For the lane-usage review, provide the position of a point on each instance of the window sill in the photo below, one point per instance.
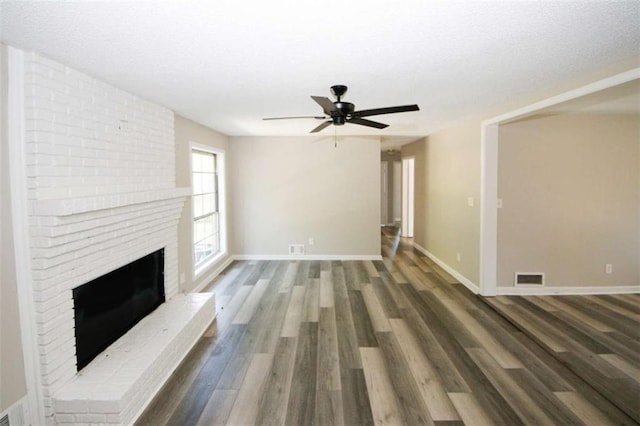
(200, 270)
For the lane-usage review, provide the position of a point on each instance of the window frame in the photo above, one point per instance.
(221, 205)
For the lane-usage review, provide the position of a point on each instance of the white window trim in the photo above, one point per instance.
(222, 207)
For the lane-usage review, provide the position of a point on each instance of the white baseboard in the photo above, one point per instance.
(455, 274)
(560, 291)
(306, 257)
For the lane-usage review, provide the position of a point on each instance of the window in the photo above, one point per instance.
(207, 241)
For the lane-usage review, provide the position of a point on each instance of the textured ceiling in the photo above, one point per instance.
(228, 63)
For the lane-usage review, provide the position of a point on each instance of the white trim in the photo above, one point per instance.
(20, 219)
(306, 257)
(217, 271)
(455, 274)
(489, 171)
(558, 291)
(606, 83)
(489, 210)
(222, 206)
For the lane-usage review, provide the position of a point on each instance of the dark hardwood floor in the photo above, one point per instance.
(396, 341)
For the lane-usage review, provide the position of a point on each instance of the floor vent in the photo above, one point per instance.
(530, 278)
(15, 415)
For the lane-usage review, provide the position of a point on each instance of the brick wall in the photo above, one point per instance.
(101, 191)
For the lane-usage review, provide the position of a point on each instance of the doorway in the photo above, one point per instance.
(408, 183)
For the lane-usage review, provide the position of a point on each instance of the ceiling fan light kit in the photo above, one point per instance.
(339, 113)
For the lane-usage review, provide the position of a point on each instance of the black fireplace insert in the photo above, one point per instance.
(109, 306)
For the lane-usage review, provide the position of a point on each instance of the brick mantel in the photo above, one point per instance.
(67, 207)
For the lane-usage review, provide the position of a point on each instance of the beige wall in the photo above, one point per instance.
(188, 132)
(285, 190)
(448, 174)
(12, 375)
(570, 190)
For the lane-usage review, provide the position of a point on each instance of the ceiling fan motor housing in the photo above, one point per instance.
(343, 111)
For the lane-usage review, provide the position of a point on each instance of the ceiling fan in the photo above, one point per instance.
(338, 113)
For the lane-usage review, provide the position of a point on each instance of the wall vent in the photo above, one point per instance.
(529, 279)
(296, 249)
(16, 414)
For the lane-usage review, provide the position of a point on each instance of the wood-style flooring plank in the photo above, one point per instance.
(384, 289)
(217, 410)
(505, 358)
(582, 388)
(604, 303)
(289, 277)
(508, 337)
(585, 411)
(448, 374)
(245, 410)
(190, 407)
(328, 375)
(292, 318)
(473, 378)
(528, 410)
(311, 303)
(269, 339)
(326, 290)
(356, 402)
(251, 302)
(431, 389)
(631, 370)
(329, 408)
(272, 405)
(537, 329)
(347, 337)
(470, 410)
(414, 409)
(544, 397)
(377, 315)
(163, 406)
(301, 407)
(365, 332)
(384, 404)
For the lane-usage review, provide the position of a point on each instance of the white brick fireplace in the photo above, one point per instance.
(100, 190)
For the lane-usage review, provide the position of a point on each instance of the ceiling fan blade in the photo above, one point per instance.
(327, 106)
(387, 110)
(368, 123)
(321, 126)
(299, 116)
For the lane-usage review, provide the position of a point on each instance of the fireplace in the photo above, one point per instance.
(108, 306)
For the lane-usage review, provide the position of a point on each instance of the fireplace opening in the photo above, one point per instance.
(109, 306)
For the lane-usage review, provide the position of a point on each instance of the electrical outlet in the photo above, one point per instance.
(608, 268)
(458, 257)
(499, 204)
(470, 201)
(312, 241)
